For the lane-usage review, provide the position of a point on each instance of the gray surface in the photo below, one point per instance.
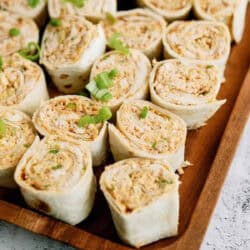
(229, 227)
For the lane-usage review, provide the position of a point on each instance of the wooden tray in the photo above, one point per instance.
(210, 149)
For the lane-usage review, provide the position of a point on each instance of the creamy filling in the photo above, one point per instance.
(61, 116)
(198, 40)
(156, 133)
(55, 164)
(168, 5)
(138, 30)
(135, 183)
(10, 44)
(18, 78)
(125, 81)
(183, 84)
(90, 8)
(18, 136)
(67, 42)
(222, 10)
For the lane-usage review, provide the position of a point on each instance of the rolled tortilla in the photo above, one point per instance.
(232, 13)
(143, 198)
(61, 115)
(27, 28)
(22, 84)
(202, 42)
(160, 135)
(169, 9)
(56, 177)
(69, 50)
(188, 90)
(24, 9)
(139, 29)
(17, 133)
(131, 81)
(94, 10)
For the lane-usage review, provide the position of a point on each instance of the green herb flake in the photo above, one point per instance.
(110, 17)
(54, 151)
(58, 166)
(144, 112)
(71, 105)
(209, 66)
(115, 43)
(164, 182)
(26, 145)
(3, 128)
(14, 32)
(1, 63)
(76, 3)
(103, 115)
(32, 52)
(154, 145)
(55, 22)
(33, 3)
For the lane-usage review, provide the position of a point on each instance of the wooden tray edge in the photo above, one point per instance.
(193, 236)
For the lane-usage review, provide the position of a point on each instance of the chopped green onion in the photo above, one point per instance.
(14, 32)
(106, 97)
(55, 22)
(110, 17)
(54, 151)
(58, 166)
(32, 52)
(209, 66)
(164, 182)
(144, 112)
(1, 63)
(103, 115)
(71, 105)
(76, 3)
(26, 145)
(154, 145)
(114, 42)
(3, 128)
(33, 3)
(113, 73)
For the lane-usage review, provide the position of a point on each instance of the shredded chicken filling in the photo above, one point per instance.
(67, 42)
(157, 133)
(59, 117)
(55, 165)
(182, 84)
(138, 31)
(18, 136)
(135, 183)
(198, 40)
(17, 79)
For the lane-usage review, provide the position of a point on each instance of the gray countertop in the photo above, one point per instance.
(228, 229)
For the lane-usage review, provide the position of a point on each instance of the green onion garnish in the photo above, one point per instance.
(54, 151)
(3, 128)
(209, 66)
(144, 112)
(58, 166)
(98, 87)
(76, 3)
(26, 145)
(1, 63)
(164, 182)
(115, 43)
(32, 52)
(33, 3)
(110, 17)
(14, 32)
(55, 22)
(104, 114)
(154, 144)
(71, 105)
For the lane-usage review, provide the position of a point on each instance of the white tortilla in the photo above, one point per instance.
(143, 198)
(179, 87)
(69, 67)
(59, 184)
(161, 135)
(22, 84)
(18, 136)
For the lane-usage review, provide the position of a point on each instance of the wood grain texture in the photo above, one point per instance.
(210, 149)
